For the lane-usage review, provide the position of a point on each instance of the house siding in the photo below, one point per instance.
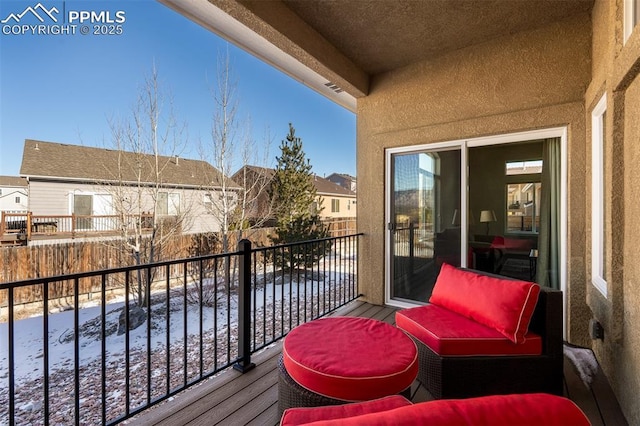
(347, 207)
(8, 199)
(49, 198)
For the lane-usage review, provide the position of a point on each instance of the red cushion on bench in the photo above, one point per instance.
(351, 359)
(503, 304)
(298, 416)
(518, 409)
(451, 334)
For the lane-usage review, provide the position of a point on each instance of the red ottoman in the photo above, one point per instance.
(344, 359)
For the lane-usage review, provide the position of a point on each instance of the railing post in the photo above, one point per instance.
(29, 223)
(244, 308)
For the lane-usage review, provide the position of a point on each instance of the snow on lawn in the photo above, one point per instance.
(278, 305)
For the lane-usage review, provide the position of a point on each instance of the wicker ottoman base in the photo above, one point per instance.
(291, 394)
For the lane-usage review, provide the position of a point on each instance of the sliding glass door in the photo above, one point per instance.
(424, 219)
(495, 204)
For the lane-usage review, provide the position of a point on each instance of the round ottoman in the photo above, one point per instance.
(344, 359)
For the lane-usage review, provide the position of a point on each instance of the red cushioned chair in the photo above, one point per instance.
(517, 409)
(471, 363)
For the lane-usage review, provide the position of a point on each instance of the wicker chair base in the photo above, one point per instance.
(465, 377)
(291, 394)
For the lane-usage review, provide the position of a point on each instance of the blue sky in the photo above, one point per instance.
(64, 88)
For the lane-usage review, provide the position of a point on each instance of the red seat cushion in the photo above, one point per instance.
(503, 304)
(351, 359)
(518, 409)
(298, 416)
(451, 334)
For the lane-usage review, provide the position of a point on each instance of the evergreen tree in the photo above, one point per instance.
(296, 206)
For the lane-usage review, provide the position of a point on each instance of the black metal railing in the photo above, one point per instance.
(147, 332)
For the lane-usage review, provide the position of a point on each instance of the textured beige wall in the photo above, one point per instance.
(521, 82)
(615, 71)
(627, 355)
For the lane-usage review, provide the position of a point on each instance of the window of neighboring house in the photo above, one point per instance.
(598, 188)
(631, 16)
(17, 200)
(523, 196)
(208, 202)
(232, 199)
(168, 203)
(335, 205)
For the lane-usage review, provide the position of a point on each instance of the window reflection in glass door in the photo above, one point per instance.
(425, 232)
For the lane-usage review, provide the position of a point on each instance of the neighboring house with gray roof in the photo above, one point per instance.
(14, 194)
(336, 201)
(70, 179)
(344, 180)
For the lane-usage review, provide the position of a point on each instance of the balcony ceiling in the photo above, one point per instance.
(379, 36)
(346, 42)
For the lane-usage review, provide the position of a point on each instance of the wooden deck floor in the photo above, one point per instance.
(251, 399)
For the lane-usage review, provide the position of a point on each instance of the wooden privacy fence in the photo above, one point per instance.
(339, 227)
(26, 262)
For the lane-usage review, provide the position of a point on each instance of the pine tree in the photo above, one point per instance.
(296, 206)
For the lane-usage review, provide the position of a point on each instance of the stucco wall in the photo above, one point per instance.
(521, 82)
(615, 72)
(627, 375)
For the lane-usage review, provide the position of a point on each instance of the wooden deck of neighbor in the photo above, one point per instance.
(252, 398)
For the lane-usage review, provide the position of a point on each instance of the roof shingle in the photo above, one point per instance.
(16, 181)
(63, 161)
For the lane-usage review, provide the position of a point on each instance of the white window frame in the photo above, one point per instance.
(630, 12)
(597, 195)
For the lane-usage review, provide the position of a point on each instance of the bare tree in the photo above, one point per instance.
(148, 208)
(231, 145)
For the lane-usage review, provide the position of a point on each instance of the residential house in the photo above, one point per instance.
(334, 200)
(447, 95)
(257, 205)
(14, 194)
(344, 180)
(87, 181)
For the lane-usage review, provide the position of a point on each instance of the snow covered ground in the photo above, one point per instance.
(277, 305)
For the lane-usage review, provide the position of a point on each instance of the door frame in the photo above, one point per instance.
(464, 145)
